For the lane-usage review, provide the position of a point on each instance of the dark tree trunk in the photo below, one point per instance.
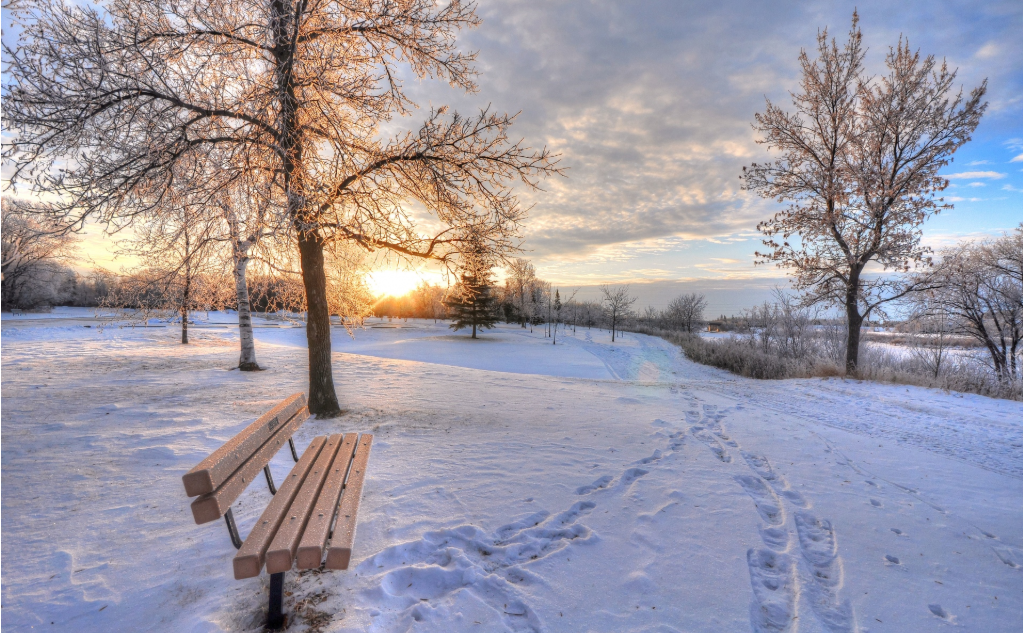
(184, 325)
(322, 396)
(855, 321)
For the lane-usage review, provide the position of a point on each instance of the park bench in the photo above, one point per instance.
(298, 525)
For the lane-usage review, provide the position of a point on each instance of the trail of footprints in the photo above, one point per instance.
(491, 566)
(777, 578)
(428, 572)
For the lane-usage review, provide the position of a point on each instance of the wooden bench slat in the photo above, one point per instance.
(223, 462)
(249, 559)
(212, 506)
(281, 554)
(340, 552)
(314, 538)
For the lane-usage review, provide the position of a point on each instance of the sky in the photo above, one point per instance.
(649, 105)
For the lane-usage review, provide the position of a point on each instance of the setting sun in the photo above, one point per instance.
(393, 282)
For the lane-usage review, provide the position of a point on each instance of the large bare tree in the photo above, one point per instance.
(859, 168)
(102, 103)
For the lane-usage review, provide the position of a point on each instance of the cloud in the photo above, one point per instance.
(988, 51)
(649, 104)
(977, 184)
(971, 175)
(1017, 159)
(1011, 188)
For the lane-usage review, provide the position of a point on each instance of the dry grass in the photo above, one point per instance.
(737, 355)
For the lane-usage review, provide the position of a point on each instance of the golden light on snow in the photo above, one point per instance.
(393, 282)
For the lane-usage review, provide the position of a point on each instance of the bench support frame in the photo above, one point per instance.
(275, 618)
(269, 479)
(232, 529)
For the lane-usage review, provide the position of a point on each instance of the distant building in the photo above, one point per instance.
(714, 326)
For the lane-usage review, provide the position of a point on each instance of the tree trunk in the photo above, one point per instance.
(186, 295)
(322, 397)
(247, 357)
(613, 329)
(852, 343)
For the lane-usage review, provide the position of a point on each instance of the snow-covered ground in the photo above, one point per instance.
(513, 485)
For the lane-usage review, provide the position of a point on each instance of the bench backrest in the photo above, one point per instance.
(220, 478)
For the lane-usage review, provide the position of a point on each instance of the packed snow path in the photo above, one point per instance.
(516, 486)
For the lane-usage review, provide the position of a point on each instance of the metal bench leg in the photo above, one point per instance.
(269, 479)
(275, 618)
(232, 529)
(294, 453)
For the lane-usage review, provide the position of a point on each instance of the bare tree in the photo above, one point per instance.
(295, 91)
(180, 270)
(617, 304)
(980, 286)
(685, 312)
(859, 167)
(521, 276)
(932, 324)
(33, 246)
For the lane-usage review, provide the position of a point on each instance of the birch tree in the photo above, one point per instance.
(859, 168)
(296, 91)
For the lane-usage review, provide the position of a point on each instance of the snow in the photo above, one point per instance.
(513, 485)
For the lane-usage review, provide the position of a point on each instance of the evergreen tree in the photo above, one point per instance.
(473, 303)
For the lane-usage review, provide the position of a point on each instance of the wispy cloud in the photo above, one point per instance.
(973, 175)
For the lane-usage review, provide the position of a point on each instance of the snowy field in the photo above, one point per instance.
(513, 486)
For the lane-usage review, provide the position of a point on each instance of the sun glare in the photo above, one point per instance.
(393, 282)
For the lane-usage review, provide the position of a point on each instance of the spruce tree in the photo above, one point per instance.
(473, 303)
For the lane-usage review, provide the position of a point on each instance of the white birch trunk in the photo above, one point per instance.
(240, 248)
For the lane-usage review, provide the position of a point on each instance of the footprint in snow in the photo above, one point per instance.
(632, 475)
(767, 503)
(937, 610)
(876, 503)
(772, 578)
(653, 458)
(599, 484)
(1008, 556)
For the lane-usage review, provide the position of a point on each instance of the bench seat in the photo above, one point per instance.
(311, 518)
(297, 522)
